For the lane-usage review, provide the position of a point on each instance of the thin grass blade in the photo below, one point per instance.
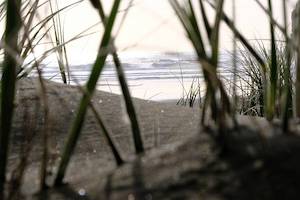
(90, 87)
(205, 19)
(287, 96)
(137, 138)
(215, 32)
(271, 91)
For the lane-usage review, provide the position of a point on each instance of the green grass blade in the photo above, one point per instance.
(287, 96)
(183, 16)
(8, 82)
(242, 39)
(297, 84)
(208, 73)
(35, 30)
(271, 98)
(90, 87)
(249, 47)
(215, 32)
(31, 13)
(188, 20)
(137, 138)
(272, 19)
(194, 23)
(58, 40)
(234, 64)
(205, 19)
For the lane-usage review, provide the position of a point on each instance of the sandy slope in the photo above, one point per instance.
(180, 163)
(161, 124)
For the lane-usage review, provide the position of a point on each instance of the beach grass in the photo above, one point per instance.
(219, 106)
(266, 71)
(62, 57)
(270, 92)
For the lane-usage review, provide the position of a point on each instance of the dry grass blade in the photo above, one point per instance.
(36, 31)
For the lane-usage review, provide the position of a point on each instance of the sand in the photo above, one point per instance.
(181, 160)
(161, 124)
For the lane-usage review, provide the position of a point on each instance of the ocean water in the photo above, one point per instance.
(161, 76)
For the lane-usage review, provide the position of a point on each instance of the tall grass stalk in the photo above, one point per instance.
(216, 95)
(297, 85)
(45, 143)
(62, 58)
(242, 39)
(189, 97)
(39, 32)
(29, 66)
(248, 46)
(234, 63)
(8, 82)
(74, 133)
(27, 24)
(270, 14)
(137, 138)
(287, 96)
(44, 98)
(272, 88)
(251, 76)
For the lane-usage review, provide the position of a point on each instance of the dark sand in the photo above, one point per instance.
(181, 162)
(161, 124)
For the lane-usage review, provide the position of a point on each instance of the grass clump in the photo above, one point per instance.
(266, 71)
(191, 96)
(216, 97)
(252, 85)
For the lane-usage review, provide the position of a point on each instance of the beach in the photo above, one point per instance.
(181, 158)
(161, 124)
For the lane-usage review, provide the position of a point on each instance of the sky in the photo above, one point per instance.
(151, 26)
